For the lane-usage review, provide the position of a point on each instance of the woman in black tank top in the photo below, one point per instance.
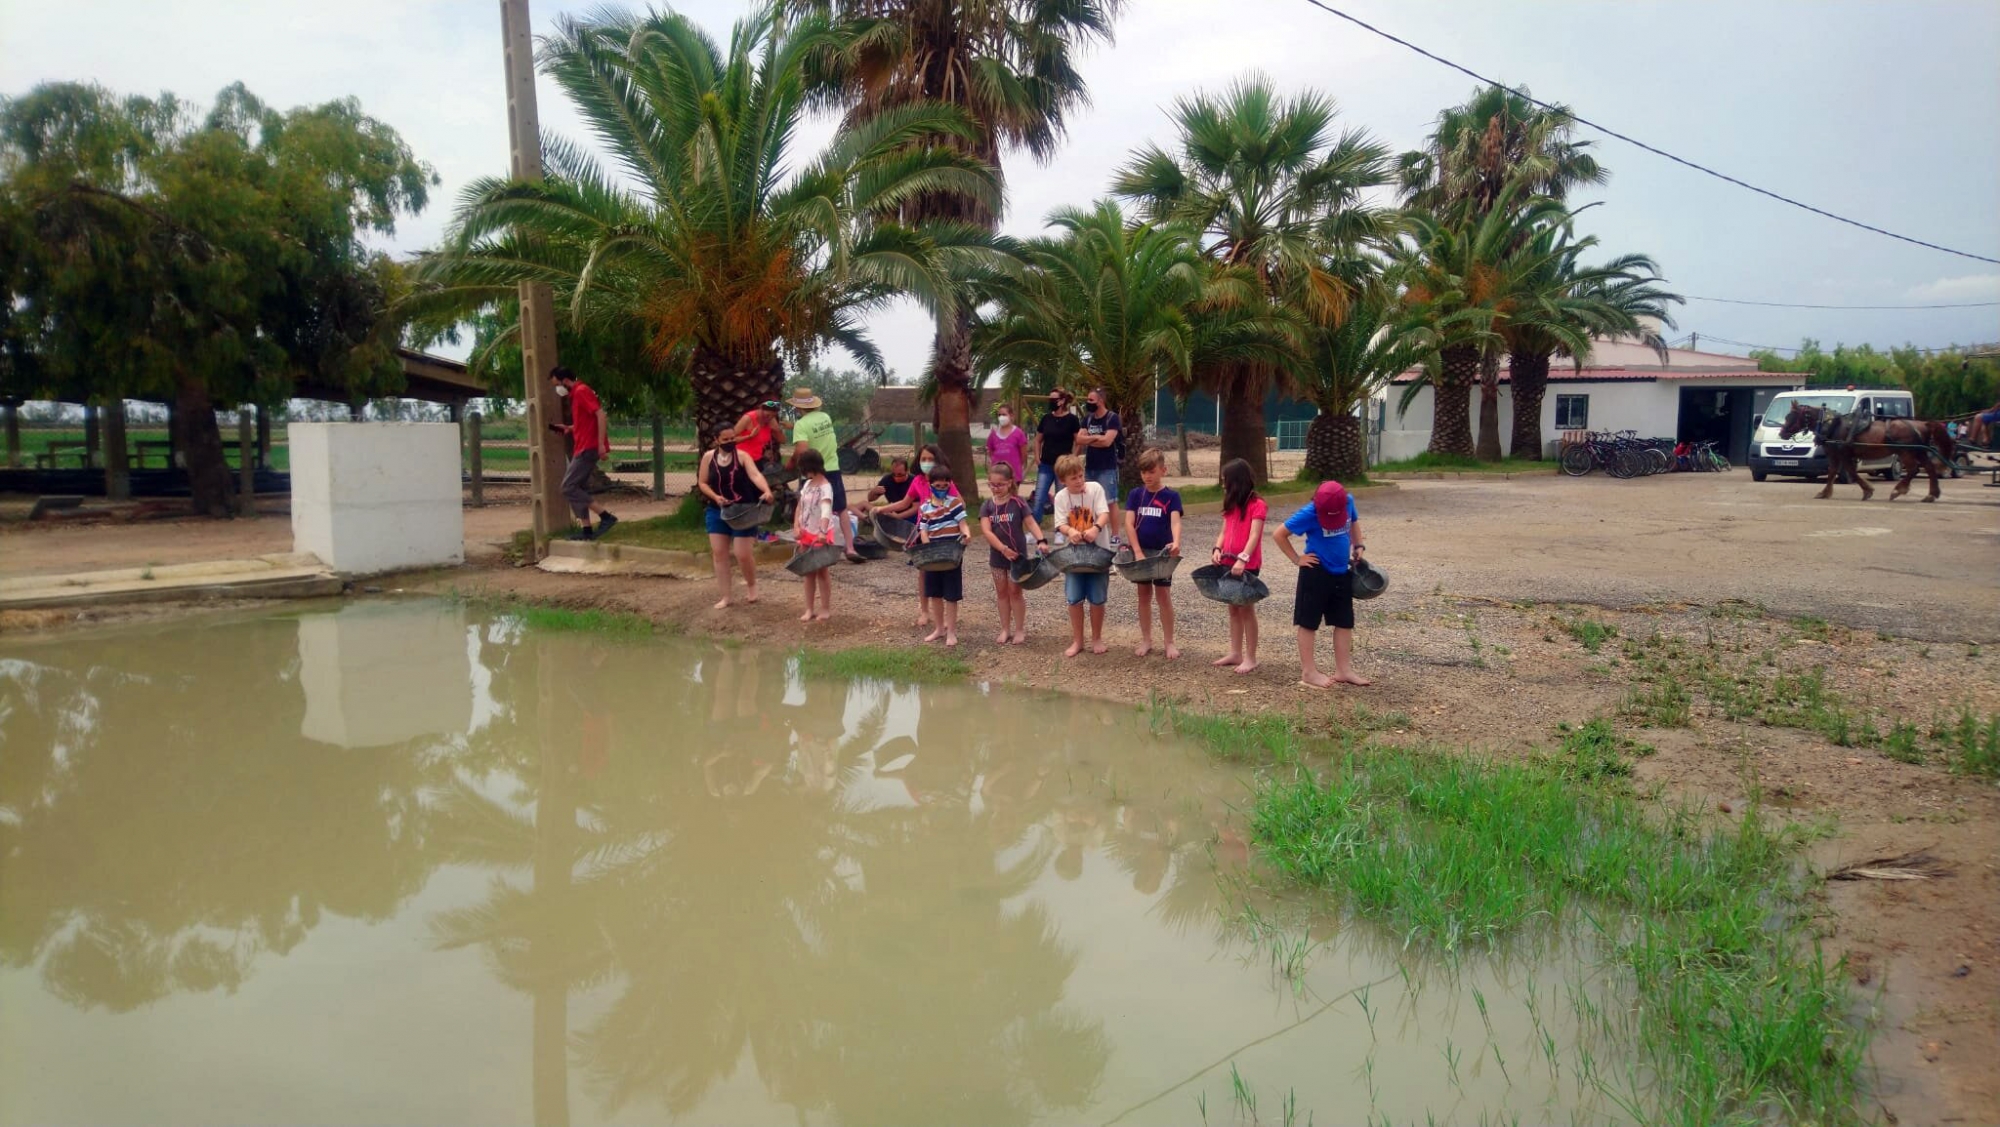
(726, 478)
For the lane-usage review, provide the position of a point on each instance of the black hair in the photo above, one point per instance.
(935, 451)
(1239, 485)
(812, 462)
(561, 373)
(902, 460)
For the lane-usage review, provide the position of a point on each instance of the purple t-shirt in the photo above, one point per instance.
(1153, 513)
(1011, 449)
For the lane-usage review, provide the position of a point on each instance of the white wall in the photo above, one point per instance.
(372, 497)
(374, 675)
(1651, 407)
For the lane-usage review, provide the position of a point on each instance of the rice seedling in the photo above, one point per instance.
(881, 663)
(1589, 633)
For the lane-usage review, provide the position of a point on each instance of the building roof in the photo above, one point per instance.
(1631, 360)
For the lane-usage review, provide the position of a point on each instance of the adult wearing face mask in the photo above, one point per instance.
(589, 431)
(1007, 444)
(1100, 442)
(1055, 436)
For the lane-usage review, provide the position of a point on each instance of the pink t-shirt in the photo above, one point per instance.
(1011, 448)
(1236, 533)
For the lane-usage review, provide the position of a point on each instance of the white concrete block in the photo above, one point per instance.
(377, 674)
(372, 497)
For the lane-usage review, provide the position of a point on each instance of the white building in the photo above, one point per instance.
(1695, 396)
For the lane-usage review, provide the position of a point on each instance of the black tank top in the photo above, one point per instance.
(732, 480)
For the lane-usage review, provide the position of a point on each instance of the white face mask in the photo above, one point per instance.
(1006, 421)
(562, 392)
(927, 467)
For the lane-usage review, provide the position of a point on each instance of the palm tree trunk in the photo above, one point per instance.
(951, 367)
(1530, 377)
(1242, 396)
(1451, 411)
(201, 449)
(1134, 420)
(726, 390)
(1489, 407)
(1180, 439)
(1333, 447)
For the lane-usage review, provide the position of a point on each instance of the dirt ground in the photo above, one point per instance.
(1479, 643)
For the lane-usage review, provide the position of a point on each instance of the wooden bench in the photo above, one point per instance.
(47, 459)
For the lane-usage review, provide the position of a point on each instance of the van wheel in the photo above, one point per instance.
(1885, 475)
(1758, 475)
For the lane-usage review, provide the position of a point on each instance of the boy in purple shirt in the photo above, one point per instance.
(1153, 524)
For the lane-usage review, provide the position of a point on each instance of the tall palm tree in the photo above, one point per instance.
(1348, 363)
(1621, 297)
(1273, 189)
(729, 261)
(1010, 67)
(1117, 305)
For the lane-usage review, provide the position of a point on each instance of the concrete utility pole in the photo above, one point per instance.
(548, 455)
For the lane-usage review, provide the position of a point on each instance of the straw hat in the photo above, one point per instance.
(804, 399)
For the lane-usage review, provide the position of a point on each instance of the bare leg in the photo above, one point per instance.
(747, 563)
(1249, 615)
(1075, 630)
(1097, 628)
(1309, 673)
(1005, 601)
(1343, 659)
(1164, 596)
(1235, 654)
(1020, 598)
(1145, 621)
(949, 614)
(825, 595)
(923, 604)
(718, 553)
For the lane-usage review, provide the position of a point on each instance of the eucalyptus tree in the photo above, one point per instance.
(1272, 188)
(727, 261)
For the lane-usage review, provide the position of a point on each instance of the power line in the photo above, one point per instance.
(1365, 26)
(1802, 305)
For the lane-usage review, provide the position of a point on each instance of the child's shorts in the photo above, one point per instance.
(1324, 596)
(946, 585)
(1087, 587)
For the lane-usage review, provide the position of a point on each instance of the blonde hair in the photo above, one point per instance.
(1068, 465)
(1152, 459)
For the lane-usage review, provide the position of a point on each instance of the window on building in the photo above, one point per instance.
(1572, 412)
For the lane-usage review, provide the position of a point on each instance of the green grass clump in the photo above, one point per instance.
(1973, 748)
(1245, 737)
(1594, 753)
(607, 622)
(1663, 703)
(881, 663)
(1589, 633)
(1734, 1008)
(669, 532)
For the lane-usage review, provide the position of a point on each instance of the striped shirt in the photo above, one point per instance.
(941, 516)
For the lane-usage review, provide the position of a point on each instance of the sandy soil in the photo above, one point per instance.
(1897, 602)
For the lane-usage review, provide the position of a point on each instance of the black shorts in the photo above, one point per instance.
(839, 490)
(1324, 596)
(946, 585)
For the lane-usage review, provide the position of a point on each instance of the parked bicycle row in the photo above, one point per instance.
(1623, 454)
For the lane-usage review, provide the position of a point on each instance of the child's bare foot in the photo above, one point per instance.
(750, 595)
(723, 605)
(1248, 665)
(1097, 647)
(923, 620)
(951, 639)
(807, 616)
(1315, 680)
(1074, 649)
(1020, 638)
(1173, 652)
(934, 635)
(1142, 649)
(823, 616)
(1000, 639)
(1232, 659)
(1352, 679)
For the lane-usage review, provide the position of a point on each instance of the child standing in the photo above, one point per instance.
(1007, 524)
(941, 517)
(813, 522)
(1082, 517)
(1153, 523)
(1241, 546)
(1326, 587)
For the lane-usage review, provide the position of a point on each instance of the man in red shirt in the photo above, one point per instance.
(757, 430)
(589, 431)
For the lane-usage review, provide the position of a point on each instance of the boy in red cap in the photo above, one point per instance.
(1332, 534)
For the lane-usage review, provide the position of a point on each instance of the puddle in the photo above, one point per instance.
(401, 863)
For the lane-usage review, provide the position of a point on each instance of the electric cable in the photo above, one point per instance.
(1804, 305)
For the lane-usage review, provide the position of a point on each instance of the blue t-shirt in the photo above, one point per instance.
(1332, 548)
(1100, 460)
(1153, 514)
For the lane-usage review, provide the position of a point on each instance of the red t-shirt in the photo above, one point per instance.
(583, 408)
(1236, 534)
(751, 443)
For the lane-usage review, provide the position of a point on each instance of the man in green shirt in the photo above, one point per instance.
(814, 431)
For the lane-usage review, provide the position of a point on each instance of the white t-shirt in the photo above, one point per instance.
(1078, 513)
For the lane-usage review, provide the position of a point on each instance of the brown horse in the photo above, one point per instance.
(1849, 441)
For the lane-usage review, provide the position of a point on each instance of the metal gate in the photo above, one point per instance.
(1292, 433)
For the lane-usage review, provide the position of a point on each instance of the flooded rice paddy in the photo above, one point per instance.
(409, 862)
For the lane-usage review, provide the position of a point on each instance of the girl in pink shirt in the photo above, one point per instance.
(1240, 545)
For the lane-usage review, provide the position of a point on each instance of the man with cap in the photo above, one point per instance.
(814, 431)
(589, 432)
(1332, 533)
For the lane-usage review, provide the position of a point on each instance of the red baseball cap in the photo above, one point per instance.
(1330, 505)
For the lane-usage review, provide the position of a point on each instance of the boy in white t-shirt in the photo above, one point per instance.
(1082, 517)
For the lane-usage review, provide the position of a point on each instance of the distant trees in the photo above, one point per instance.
(1954, 381)
(146, 250)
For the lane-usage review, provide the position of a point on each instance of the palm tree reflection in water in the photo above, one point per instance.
(737, 859)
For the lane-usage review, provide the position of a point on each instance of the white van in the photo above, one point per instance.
(1800, 455)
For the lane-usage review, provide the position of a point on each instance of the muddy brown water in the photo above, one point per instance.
(405, 862)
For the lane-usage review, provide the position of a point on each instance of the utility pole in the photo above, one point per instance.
(547, 454)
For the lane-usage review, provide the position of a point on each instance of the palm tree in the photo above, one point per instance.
(1272, 189)
(1349, 362)
(1111, 304)
(1009, 66)
(729, 263)
(1619, 298)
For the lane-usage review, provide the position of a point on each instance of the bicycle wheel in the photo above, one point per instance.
(1577, 460)
(1658, 457)
(1619, 464)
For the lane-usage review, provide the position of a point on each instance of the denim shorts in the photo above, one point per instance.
(1087, 587)
(1108, 481)
(711, 518)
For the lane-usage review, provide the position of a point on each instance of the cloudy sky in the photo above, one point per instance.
(1885, 112)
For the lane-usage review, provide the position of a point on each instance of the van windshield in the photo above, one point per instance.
(1774, 415)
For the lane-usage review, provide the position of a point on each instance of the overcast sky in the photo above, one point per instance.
(1886, 112)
